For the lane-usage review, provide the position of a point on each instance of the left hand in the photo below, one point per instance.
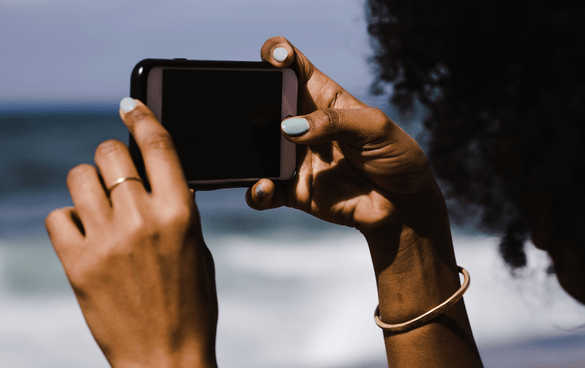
(137, 262)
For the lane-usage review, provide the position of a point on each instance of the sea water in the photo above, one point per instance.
(293, 291)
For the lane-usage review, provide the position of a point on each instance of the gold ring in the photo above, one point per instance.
(120, 181)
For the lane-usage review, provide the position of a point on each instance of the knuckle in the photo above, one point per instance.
(109, 148)
(176, 217)
(136, 227)
(380, 120)
(334, 95)
(330, 119)
(139, 114)
(143, 229)
(378, 114)
(158, 141)
(79, 277)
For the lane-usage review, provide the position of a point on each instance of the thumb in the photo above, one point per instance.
(354, 126)
(316, 90)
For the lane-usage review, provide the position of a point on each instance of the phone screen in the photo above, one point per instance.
(225, 123)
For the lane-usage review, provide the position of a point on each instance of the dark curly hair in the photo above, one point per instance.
(503, 87)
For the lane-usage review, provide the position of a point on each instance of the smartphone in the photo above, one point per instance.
(223, 116)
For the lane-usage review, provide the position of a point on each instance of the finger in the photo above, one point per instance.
(66, 233)
(65, 230)
(360, 127)
(161, 161)
(113, 159)
(88, 196)
(265, 195)
(316, 90)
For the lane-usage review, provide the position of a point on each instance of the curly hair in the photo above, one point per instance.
(504, 89)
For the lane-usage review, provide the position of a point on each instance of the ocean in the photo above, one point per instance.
(270, 264)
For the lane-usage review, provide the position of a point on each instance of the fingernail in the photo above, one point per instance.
(127, 104)
(260, 191)
(295, 126)
(279, 53)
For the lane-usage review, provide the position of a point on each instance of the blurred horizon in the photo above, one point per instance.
(268, 263)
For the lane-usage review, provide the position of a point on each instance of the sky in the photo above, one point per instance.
(71, 51)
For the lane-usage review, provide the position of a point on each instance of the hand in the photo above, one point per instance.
(137, 262)
(354, 164)
(356, 167)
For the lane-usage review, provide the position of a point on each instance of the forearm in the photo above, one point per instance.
(417, 276)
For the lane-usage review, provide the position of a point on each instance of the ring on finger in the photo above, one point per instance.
(120, 181)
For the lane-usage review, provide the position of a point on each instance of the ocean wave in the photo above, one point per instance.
(291, 303)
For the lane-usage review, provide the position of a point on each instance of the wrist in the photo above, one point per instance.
(415, 282)
(416, 271)
(413, 257)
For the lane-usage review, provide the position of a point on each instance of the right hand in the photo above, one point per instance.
(355, 166)
(137, 261)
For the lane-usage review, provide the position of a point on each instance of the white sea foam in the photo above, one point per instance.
(45, 332)
(288, 305)
(504, 309)
(319, 310)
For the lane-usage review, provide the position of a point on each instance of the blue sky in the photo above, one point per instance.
(84, 51)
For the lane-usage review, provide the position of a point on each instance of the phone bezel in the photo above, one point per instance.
(146, 85)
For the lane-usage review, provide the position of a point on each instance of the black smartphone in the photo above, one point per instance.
(223, 116)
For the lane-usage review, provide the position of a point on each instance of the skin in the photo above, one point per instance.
(144, 278)
(357, 168)
(137, 262)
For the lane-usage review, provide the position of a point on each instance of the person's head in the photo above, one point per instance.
(503, 85)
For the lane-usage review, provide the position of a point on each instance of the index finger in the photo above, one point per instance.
(316, 89)
(161, 161)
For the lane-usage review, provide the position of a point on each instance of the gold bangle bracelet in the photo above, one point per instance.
(422, 319)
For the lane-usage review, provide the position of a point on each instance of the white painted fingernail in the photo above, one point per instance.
(127, 104)
(260, 191)
(279, 53)
(295, 126)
